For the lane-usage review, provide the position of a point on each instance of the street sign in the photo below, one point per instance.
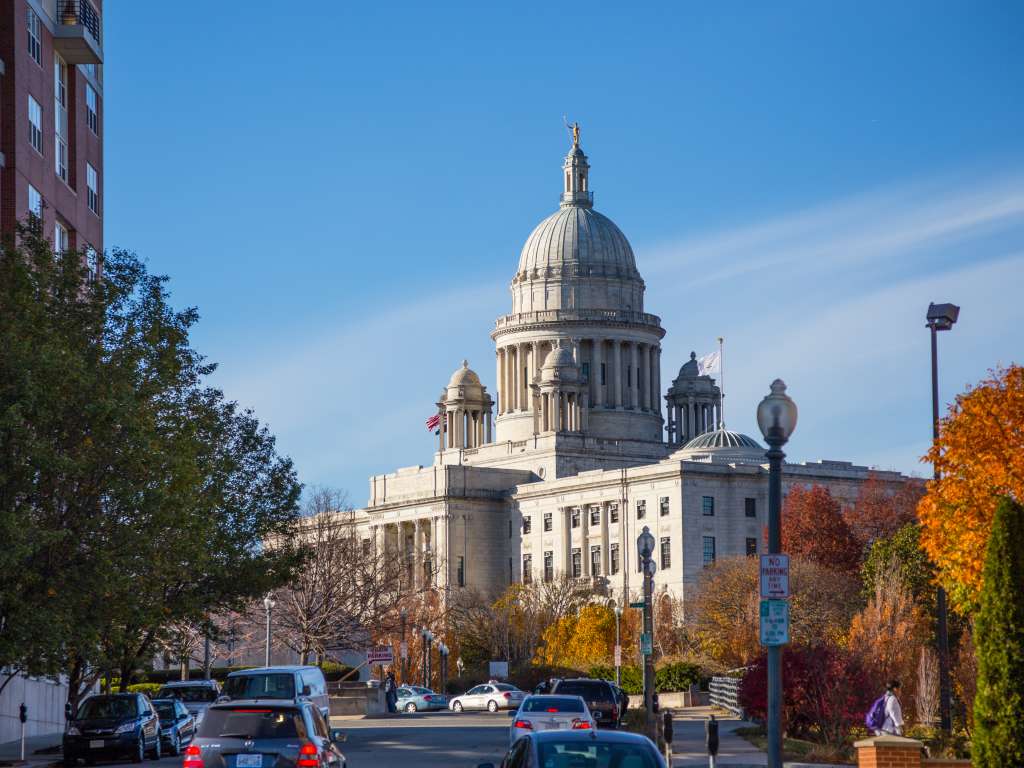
(638, 604)
(774, 577)
(381, 654)
(646, 646)
(774, 622)
(618, 655)
(403, 650)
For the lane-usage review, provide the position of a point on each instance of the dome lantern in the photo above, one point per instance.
(576, 169)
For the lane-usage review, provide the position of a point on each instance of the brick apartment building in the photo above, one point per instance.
(51, 120)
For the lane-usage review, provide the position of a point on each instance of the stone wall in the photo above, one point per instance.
(45, 700)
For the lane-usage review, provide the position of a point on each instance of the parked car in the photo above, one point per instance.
(550, 713)
(414, 698)
(588, 748)
(112, 726)
(290, 682)
(623, 699)
(196, 695)
(489, 696)
(253, 733)
(600, 698)
(177, 725)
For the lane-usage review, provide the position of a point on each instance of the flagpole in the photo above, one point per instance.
(721, 374)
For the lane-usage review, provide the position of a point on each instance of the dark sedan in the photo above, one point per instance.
(582, 748)
(113, 726)
(177, 725)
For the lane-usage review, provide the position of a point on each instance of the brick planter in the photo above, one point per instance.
(898, 752)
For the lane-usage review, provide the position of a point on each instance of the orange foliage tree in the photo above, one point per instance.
(980, 455)
(579, 641)
(883, 508)
(813, 527)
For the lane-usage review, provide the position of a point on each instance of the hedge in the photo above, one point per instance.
(674, 676)
(149, 689)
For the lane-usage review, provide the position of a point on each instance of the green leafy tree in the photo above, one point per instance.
(901, 552)
(999, 636)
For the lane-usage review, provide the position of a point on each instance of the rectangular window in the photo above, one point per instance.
(641, 509)
(595, 515)
(613, 557)
(750, 507)
(709, 550)
(577, 563)
(92, 184)
(663, 506)
(666, 553)
(35, 125)
(60, 116)
(92, 115)
(60, 238)
(708, 505)
(613, 513)
(526, 524)
(510, 528)
(586, 371)
(575, 517)
(366, 547)
(595, 561)
(35, 48)
(527, 569)
(35, 201)
(92, 263)
(460, 573)
(547, 521)
(751, 547)
(549, 566)
(603, 375)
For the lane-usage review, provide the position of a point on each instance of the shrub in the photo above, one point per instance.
(676, 676)
(334, 671)
(149, 689)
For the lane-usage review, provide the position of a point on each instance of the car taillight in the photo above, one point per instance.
(192, 757)
(308, 756)
(581, 725)
(507, 695)
(524, 724)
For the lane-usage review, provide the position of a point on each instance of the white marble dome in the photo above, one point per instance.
(577, 242)
(722, 445)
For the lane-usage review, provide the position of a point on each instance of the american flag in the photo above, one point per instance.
(434, 422)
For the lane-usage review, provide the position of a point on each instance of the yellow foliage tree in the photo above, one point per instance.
(980, 455)
(579, 641)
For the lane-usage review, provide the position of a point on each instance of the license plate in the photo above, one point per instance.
(597, 715)
(96, 744)
(249, 761)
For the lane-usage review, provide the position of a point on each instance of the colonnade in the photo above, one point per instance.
(692, 418)
(418, 545)
(465, 428)
(593, 544)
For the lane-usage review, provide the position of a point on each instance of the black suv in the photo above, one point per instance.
(111, 726)
(600, 698)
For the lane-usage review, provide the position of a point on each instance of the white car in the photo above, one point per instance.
(489, 696)
(550, 712)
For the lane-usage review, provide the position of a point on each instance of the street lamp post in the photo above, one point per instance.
(442, 650)
(776, 416)
(618, 646)
(644, 548)
(941, 317)
(268, 605)
(428, 636)
(403, 649)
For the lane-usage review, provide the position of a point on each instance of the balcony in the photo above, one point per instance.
(77, 35)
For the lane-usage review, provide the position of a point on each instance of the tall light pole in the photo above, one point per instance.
(268, 605)
(618, 646)
(428, 636)
(442, 649)
(403, 649)
(776, 416)
(644, 549)
(941, 317)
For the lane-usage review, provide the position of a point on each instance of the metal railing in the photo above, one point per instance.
(725, 694)
(73, 13)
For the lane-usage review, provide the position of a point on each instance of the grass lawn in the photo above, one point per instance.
(796, 749)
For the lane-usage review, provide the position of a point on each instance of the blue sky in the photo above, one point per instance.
(343, 190)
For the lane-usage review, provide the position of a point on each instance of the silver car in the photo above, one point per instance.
(490, 696)
(550, 713)
(196, 695)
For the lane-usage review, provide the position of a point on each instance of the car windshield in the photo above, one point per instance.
(101, 707)
(165, 711)
(552, 704)
(252, 723)
(269, 686)
(192, 694)
(588, 690)
(590, 754)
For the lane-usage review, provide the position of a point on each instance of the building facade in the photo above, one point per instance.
(581, 456)
(51, 121)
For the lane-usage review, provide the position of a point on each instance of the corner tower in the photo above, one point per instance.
(577, 288)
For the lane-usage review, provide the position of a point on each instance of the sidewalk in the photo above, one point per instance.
(10, 751)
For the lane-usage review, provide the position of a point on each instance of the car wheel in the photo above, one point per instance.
(69, 761)
(457, 706)
(140, 750)
(410, 707)
(492, 706)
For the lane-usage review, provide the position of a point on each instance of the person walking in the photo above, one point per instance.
(391, 691)
(886, 715)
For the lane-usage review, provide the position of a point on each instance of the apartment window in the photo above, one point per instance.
(575, 517)
(92, 262)
(35, 201)
(92, 184)
(666, 553)
(511, 571)
(60, 238)
(709, 550)
(595, 515)
(547, 521)
(577, 563)
(613, 557)
(641, 509)
(60, 116)
(708, 505)
(613, 513)
(751, 547)
(526, 524)
(460, 572)
(750, 507)
(35, 48)
(35, 125)
(527, 569)
(366, 547)
(549, 566)
(603, 374)
(92, 116)
(663, 506)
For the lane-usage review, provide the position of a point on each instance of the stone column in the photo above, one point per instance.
(585, 541)
(489, 428)
(566, 541)
(555, 406)
(508, 394)
(656, 379)
(499, 396)
(441, 432)
(616, 398)
(634, 374)
(535, 362)
(585, 412)
(691, 420)
(606, 563)
(645, 385)
(417, 553)
(595, 373)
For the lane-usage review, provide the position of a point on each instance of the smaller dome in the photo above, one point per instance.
(464, 376)
(559, 364)
(720, 446)
(690, 369)
(722, 438)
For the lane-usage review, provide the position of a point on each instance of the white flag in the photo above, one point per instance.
(709, 363)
